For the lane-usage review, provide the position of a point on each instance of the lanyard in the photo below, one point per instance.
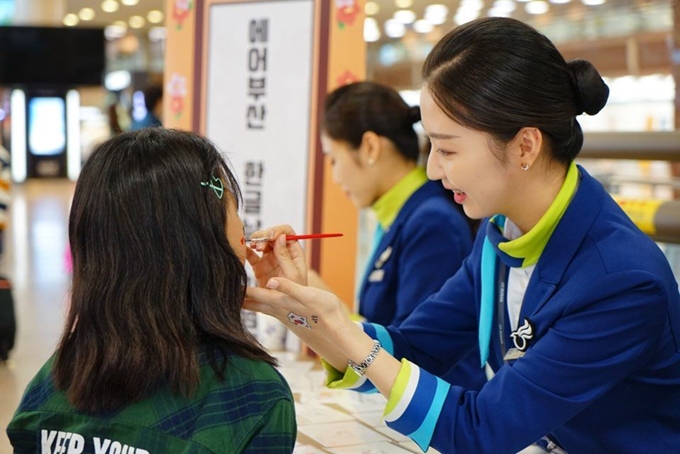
(501, 318)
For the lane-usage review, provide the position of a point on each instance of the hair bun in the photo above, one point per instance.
(591, 91)
(413, 114)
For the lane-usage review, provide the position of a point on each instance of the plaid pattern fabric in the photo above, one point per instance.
(252, 411)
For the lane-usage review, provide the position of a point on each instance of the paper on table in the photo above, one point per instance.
(346, 433)
(394, 435)
(315, 413)
(373, 448)
(372, 418)
(306, 449)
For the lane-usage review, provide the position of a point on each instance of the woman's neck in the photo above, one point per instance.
(537, 194)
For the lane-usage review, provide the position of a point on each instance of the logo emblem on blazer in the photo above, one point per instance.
(523, 335)
(383, 257)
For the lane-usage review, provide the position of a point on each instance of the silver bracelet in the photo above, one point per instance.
(360, 368)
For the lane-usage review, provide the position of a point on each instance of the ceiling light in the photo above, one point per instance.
(129, 2)
(394, 28)
(405, 16)
(136, 22)
(157, 34)
(477, 4)
(70, 20)
(537, 7)
(403, 3)
(371, 8)
(115, 31)
(154, 16)
(110, 6)
(436, 14)
(371, 30)
(593, 2)
(498, 12)
(558, 2)
(423, 26)
(465, 15)
(504, 5)
(86, 14)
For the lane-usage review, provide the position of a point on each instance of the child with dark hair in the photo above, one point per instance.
(153, 356)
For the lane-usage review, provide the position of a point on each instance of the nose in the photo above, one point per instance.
(434, 168)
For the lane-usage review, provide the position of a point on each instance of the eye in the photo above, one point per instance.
(445, 153)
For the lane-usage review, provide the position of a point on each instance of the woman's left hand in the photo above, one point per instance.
(298, 306)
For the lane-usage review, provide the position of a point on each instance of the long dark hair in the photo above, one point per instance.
(155, 280)
(498, 75)
(353, 109)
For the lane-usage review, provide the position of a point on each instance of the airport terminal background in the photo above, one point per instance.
(634, 43)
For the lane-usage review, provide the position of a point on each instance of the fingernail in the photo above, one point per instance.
(270, 234)
(273, 284)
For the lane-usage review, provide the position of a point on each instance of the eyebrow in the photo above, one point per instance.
(435, 135)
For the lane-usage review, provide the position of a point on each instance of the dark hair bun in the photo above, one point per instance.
(413, 115)
(592, 92)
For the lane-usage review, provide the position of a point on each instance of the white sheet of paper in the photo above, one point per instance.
(314, 413)
(336, 434)
(306, 449)
(394, 435)
(373, 448)
(372, 418)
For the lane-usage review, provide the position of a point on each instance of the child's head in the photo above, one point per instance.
(154, 274)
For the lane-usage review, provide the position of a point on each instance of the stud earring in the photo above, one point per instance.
(525, 166)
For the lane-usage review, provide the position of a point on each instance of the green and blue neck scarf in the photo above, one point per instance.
(520, 252)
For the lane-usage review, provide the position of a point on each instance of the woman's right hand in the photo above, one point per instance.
(277, 257)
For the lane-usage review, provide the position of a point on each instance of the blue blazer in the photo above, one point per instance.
(424, 246)
(602, 373)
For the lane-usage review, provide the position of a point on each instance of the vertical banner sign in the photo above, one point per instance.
(257, 107)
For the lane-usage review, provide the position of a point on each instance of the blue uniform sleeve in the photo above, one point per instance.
(443, 328)
(606, 329)
(435, 241)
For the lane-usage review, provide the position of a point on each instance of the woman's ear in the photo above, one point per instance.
(527, 147)
(370, 149)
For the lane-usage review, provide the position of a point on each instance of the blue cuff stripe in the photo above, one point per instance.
(369, 328)
(419, 406)
(423, 436)
(366, 388)
(384, 337)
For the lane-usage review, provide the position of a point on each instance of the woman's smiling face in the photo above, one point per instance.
(464, 161)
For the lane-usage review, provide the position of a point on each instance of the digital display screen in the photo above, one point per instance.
(47, 126)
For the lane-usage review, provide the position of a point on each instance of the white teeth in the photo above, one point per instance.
(458, 191)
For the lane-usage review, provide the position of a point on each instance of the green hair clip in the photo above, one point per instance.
(219, 189)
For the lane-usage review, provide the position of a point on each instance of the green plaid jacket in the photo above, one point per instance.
(252, 411)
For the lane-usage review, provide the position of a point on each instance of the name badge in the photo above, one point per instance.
(376, 276)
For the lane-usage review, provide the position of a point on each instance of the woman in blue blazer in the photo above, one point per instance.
(575, 310)
(368, 137)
